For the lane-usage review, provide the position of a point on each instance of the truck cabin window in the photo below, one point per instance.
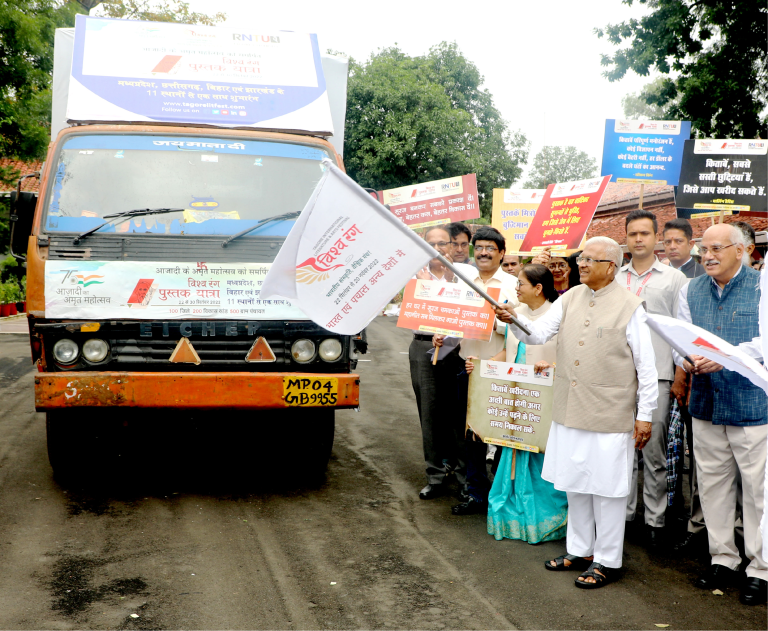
(222, 185)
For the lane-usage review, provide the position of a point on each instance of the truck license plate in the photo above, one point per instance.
(310, 391)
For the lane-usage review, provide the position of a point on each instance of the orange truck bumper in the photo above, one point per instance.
(180, 390)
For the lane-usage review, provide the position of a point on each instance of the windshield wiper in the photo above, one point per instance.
(282, 217)
(127, 213)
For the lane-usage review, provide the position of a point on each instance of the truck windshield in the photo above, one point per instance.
(223, 185)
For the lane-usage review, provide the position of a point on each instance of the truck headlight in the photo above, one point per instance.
(95, 349)
(65, 351)
(330, 349)
(303, 351)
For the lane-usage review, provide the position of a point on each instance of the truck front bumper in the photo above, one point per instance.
(180, 390)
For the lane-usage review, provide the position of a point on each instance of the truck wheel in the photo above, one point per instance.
(314, 452)
(73, 451)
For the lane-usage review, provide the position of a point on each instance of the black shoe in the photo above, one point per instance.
(693, 544)
(431, 491)
(716, 577)
(470, 507)
(754, 591)
(656, 538)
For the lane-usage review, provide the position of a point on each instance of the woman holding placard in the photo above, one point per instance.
(521, 505)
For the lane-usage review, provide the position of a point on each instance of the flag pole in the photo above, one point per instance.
(384, 212)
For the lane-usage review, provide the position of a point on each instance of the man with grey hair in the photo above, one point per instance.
(605, 359)
(730, 413)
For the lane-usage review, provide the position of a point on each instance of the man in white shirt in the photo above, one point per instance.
(605, 363)
(490, 247)
(659, 287)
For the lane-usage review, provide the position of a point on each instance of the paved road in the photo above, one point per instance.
(199, 532)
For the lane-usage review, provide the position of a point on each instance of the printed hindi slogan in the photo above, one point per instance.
(142, 290)
(447, 308)
(434, 203)
(564, 215)
(728, 176)
(513, 212)
(510, 405)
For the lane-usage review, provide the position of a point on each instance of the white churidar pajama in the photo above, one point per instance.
(595, 468)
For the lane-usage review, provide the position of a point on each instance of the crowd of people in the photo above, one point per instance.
(617, 384)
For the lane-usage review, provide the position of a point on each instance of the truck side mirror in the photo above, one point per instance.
(22, 215)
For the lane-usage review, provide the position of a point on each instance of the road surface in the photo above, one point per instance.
(199, 530)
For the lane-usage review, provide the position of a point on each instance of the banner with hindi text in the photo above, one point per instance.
(453, 309)
(510, 405)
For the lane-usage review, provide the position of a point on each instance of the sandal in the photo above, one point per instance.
(607, 575)
(560, 566)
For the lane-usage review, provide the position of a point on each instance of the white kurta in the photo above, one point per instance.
(597, 463)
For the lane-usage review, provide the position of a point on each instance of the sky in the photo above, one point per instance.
(540, 58)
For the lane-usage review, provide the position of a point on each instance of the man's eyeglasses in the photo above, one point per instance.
(559, 265)
(588, 261)
(486, 248)
(438, 244)
(461, 246)
(715, 249)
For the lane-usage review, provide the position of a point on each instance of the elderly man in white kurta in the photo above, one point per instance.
(604, 357)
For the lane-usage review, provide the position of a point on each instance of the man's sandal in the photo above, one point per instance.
(560, 566)
(607, 575)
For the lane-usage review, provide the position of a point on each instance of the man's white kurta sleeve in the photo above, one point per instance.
(684, 315)
(753, 348)
(543, 329)
(639, 340)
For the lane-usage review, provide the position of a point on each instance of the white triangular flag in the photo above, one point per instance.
(693, 340)
(346, 256)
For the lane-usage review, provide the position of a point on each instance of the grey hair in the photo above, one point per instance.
(610, 247)
(739, 238)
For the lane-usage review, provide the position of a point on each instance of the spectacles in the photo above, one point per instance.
(552, 266)
(438, 244)
(461, 246)
(486, 248)
(715, 249)
(588, 261)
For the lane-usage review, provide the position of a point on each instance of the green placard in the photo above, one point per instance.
(509, 405)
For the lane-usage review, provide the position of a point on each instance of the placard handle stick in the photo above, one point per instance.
(434, 355)
(450, 266)
(642, 191)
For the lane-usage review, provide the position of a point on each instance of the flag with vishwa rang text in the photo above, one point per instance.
(346, 256)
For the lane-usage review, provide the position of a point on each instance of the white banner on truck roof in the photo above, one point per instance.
(124, 70)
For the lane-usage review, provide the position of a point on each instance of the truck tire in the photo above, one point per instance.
(318, 426)
(67, 454)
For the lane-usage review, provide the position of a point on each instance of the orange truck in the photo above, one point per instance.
(144, 252)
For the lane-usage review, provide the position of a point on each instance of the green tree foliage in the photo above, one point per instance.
(713, 56)
(163, 11)
(636, 106)
(416, 119)
(560, 164)
(26, 49)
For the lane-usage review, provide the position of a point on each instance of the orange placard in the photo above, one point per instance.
(448, 308)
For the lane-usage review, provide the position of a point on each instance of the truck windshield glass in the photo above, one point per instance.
(224, 185)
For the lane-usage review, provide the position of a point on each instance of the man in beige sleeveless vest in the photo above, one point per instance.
(605, 363)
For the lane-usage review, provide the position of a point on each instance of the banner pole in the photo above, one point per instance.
(450, 266)
(379, 208)
(642, 191)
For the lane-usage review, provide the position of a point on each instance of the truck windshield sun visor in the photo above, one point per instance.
(128, 213)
